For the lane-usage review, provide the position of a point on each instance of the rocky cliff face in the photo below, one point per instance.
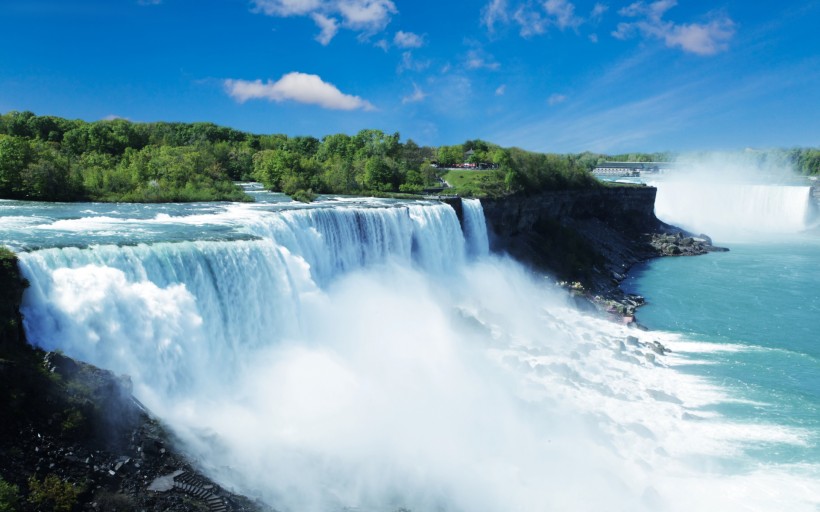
(590, 237)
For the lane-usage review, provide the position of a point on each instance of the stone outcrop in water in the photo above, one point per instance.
(679, 244)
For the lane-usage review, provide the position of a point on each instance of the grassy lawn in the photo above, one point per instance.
(462, 179)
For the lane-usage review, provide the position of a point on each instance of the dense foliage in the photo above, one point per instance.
(50, 158)
(56, 159)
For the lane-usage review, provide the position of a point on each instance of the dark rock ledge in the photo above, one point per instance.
(587, 240)
(79, 428)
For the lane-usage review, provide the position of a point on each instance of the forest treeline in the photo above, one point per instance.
(52, 158)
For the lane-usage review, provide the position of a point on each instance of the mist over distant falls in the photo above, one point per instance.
(730, 211)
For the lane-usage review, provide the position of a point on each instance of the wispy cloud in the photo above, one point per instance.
(367, 17)
(501, 90)
(699, 38)
(149, 2)
(409, 63)
(534, 18)
(328, 26)
(562, 14)
(408, 40)
(416, 96)
(606, 129)
(530, 21)
(664, 115)
(298, 87)
(479, 59)
(556, 99)
(598, 11)
(493, 13)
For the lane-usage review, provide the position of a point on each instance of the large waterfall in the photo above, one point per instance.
(371, 355)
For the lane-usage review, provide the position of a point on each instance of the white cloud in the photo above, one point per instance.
(408, 40)
(501, 90)
(535, 19)
(408, 63)
(598, 11)
(329, 28)
(593, 38)
(288, 7)
(654, 10)
(114, 117)
(364, 16)
(298, 87)
(494, 12)
(530, 21)
(478, 59)
(416, 96)
(563, 14)
(707, 39)
(556, 99)
(698, 38)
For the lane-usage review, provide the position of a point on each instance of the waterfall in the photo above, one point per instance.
(475, 227)
(169, 313)
(371, 356)
(730, 211)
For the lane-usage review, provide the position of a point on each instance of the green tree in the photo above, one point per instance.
(9, 497)
(15, 156)
(450, 156)
(378, 175)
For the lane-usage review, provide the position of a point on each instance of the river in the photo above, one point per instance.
(363, 354)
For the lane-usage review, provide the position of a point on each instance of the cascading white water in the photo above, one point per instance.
(198, 308)
(364, 358)
(733, 210)
(475, 227)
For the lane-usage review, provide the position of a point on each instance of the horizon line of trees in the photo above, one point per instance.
(57, 159)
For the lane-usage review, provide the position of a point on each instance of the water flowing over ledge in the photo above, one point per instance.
(376, 356)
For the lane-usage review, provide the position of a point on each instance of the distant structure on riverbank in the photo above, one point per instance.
(632, 169)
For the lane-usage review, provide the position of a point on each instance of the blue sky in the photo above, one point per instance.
(546, 75)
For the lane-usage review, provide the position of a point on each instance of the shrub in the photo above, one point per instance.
(9, 496)
(53, 493)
